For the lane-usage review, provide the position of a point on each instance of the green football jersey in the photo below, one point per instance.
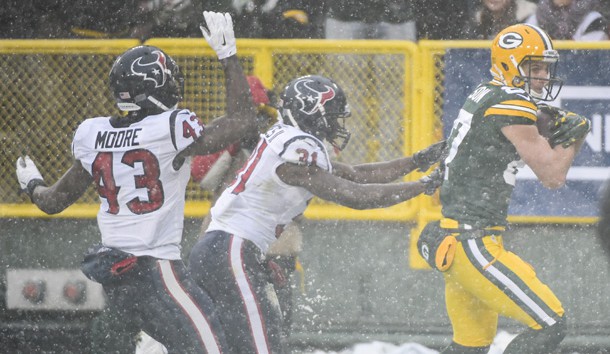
(482, 164)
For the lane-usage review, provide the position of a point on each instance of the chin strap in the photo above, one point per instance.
(157, 103)
(291, 118)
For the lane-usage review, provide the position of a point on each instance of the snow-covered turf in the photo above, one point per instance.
(149, 346)
(500, 342)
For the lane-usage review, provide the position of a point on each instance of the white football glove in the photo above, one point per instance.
(27, 172)
(219, 33)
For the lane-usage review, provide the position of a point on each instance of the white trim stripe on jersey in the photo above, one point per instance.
(509, 284)
(245, 290)
(514, 107)
(190, 308)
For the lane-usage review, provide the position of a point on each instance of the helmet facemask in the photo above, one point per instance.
(543, 88)
(338, 135)
(318, 106)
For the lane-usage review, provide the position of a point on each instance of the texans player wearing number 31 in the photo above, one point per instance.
(287, 168)
(140, 165)
(494, 134)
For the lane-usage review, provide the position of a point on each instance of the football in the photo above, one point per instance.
(546, 116)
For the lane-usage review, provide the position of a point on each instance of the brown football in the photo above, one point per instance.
(544, 122)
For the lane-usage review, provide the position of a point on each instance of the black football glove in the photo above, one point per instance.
(434, 180)
(427, 157)
(547, 116)
(554, 112)
(568, 129)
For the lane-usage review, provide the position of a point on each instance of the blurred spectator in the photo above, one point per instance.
(104, 19)
(604, 9)
(571, 19)
(443, 19)
(140, 19)
(168, 18)
(372, 19)
(27, 19)
(294, 19)
(495, 15)
(272, 18)
(143, 19)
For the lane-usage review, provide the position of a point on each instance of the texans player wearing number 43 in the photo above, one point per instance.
(140, 164)
(288, 167)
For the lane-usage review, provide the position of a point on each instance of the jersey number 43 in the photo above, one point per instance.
(107, 188)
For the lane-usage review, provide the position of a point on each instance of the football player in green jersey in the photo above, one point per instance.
(494, 134)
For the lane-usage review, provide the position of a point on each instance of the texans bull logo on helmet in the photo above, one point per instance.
(158, 68)
(311, 99)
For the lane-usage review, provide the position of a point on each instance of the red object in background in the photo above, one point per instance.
(201, 164)
(34, 291)
(259, 92)
(75, 291)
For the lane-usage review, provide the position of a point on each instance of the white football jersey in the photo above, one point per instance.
(258, 204)
(142, 195)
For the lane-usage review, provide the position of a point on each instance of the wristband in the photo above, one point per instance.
(32, 185)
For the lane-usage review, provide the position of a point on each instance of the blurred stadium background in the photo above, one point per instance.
(362, 278)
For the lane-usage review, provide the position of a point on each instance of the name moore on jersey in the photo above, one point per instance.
(141, 193)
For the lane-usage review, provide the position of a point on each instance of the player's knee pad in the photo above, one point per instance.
(455, 348)
(544, 340)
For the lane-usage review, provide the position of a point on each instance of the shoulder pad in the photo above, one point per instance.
(305, 150)
(508, 92)
(187, 128)
(514, 106)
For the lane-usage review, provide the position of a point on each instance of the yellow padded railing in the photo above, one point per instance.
(49, 86)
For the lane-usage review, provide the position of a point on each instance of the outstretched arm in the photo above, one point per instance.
(54, 199)
(377, 172)
(348, 193)
(241, 116)
(550, 165)
(388, 171)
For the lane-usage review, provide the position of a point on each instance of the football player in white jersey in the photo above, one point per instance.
(140, 164)
(289, 166)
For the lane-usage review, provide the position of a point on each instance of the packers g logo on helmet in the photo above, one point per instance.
(522, 44)
(510, 40)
